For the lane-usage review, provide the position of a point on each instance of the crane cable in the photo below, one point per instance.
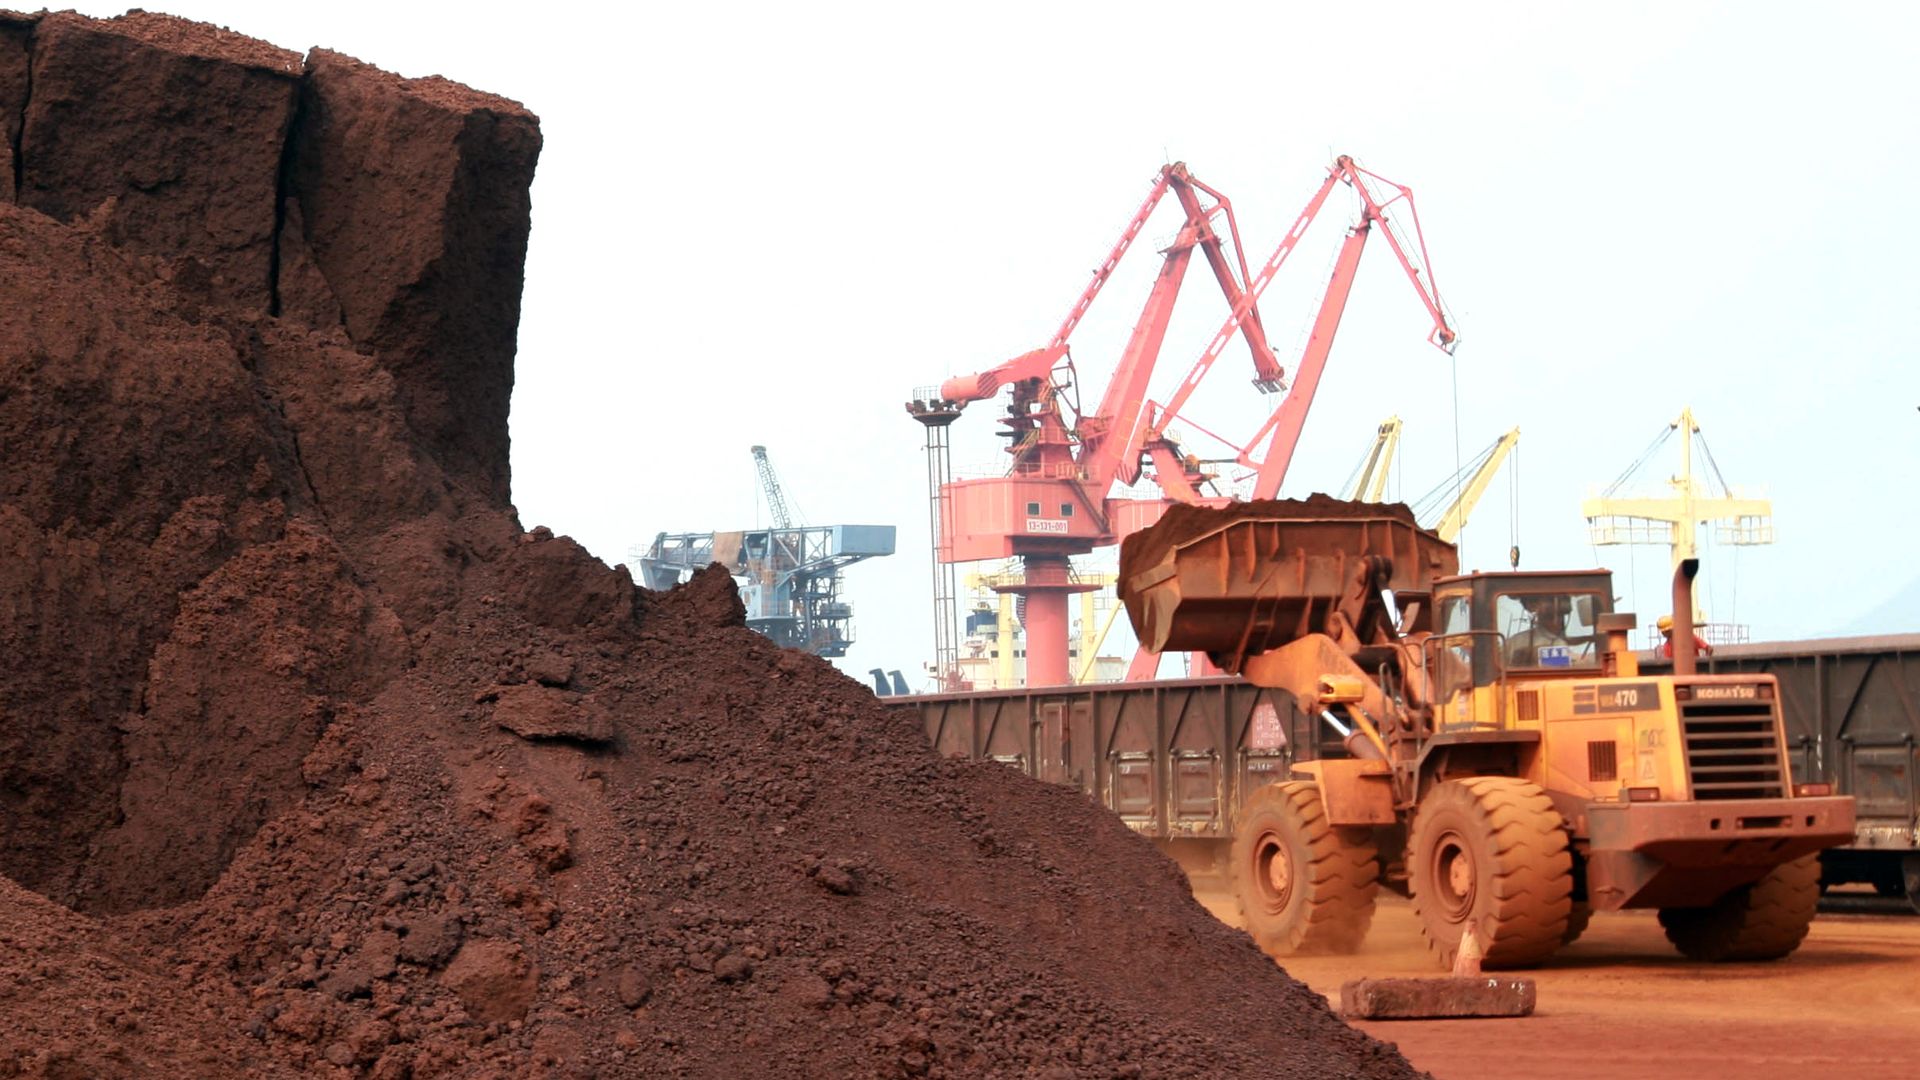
(1352, 477)
(1633, 563)
(1645, 455)
(1434, 504)
(1453, 362)
(1513, 507)
(1707, 452)
(1726, 491)
(1399, 478)
(1633, 574)
(1733, 602)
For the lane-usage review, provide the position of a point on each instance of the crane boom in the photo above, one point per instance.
(1283, 427)
(1290, 418)
(1241, 309)
(1455, 517)
(1107, 435)
(1106, 268)
(1266, 366)
(1372, 481)
(1039, 362)
(776, 500)
(1412, 255)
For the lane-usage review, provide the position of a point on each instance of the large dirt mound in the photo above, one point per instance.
(321, 765)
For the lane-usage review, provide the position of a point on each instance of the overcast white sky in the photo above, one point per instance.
(766, 223)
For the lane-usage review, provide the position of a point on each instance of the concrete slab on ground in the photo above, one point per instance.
(1443, 997)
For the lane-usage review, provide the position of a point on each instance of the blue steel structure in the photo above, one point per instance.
(789, 575)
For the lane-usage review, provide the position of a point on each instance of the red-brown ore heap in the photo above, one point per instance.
(313, 762)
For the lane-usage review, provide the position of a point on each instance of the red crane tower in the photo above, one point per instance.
(1054, 501)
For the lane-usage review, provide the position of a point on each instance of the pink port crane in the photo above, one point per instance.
(1053, 503)
(1282, 429)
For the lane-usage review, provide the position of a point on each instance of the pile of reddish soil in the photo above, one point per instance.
(319, 765)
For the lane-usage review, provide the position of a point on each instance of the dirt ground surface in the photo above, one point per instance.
(1620, 1004)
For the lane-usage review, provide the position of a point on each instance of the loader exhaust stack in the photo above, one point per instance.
(1684, 660)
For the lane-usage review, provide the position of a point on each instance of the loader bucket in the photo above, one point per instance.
(1241, 579)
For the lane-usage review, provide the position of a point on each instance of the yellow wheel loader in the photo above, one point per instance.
(1490, 746)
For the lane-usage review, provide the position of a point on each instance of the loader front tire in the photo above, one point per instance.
(1762, 921)
(1491, 852)
(1303, 886)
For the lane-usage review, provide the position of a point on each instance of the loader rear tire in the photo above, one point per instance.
(1303, 886)
(1491, 852)
(1762, 921)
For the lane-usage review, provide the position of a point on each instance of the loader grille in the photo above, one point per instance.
(1732, 750)
(1526, 705)
(1603, 761)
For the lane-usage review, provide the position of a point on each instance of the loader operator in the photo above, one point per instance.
(1544, 642)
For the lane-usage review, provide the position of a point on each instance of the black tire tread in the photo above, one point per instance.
(1766, 920)
(1526, 911)
(1341, 876)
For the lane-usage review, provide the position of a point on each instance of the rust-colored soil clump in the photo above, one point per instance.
(314, 763)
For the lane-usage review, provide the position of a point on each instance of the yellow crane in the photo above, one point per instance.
(1370, 478)
(1616, 517)
(1445, 508)
(1479, 476)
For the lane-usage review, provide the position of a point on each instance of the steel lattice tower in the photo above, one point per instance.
(936, 415)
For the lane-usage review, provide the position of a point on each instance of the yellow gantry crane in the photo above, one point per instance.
(1673, 520)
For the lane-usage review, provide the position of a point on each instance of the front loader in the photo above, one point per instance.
(1495, 753)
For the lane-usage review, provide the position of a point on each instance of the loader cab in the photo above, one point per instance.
(1539, 624)
(1523, 623)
